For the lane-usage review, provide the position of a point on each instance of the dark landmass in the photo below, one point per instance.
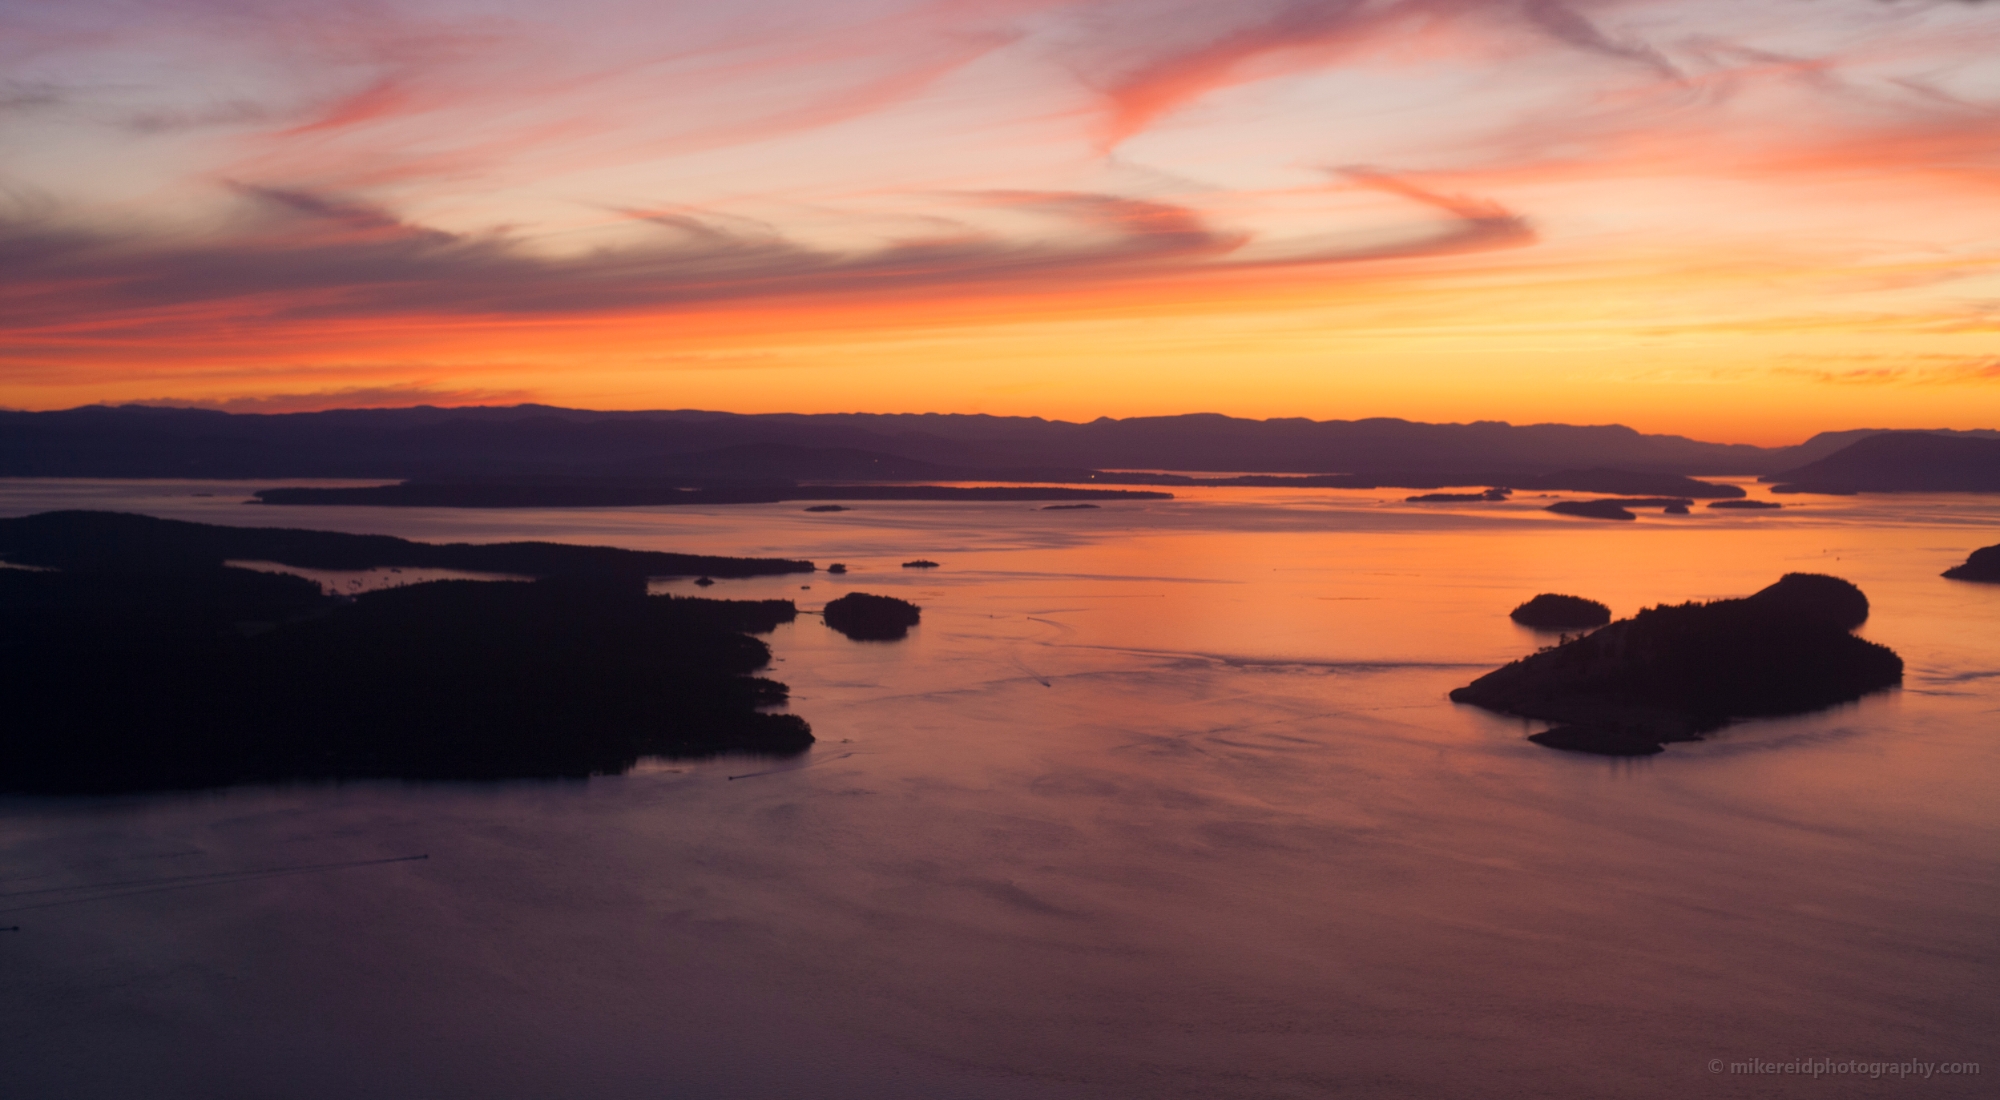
(836, 567)
(1747, 505)
(437, 444)
(920, 563)
(1633, 486)
(120, 540)
(1901, 462)
(872, 618)
(1816, 596)
(844, 508)
(1459, 498)
(1648, 502)
(630, 493)
(1617, 507)
(1551, 611)
(183, 675)
(1591, 509)
(1982, 565)
(1598, 740)
(1070, 508)
(1675, 673)
(1586, 481)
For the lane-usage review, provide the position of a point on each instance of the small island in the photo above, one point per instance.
(865, 617)
(1552, 611)
(1070, 508)
(133, 659)
(920, 563)
(1747, 505)
(1488, 496)
(837, 567)
(1982, 565)
(1591, 509)
(1677, 673)
(829, 508)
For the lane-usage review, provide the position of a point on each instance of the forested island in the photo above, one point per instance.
(1677, 673)
(137, 663)
(870, 618)
(1554, 611)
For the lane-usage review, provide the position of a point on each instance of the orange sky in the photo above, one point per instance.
(1742, 220)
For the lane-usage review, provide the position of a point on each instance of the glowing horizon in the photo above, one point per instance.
(1736, 220)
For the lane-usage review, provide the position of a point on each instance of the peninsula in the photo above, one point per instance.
(1982, 565)
(132, 659)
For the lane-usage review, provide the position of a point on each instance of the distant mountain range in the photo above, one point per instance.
(710, 448)
(1901, 462)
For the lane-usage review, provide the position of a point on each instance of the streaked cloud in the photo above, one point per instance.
(203, 181)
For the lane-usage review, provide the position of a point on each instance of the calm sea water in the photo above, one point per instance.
(1161, 800)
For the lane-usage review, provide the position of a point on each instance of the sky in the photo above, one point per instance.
(1740, 220)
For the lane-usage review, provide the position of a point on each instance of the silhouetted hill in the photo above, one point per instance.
(194, 675)
(1826, 443)
(1675, 673)
(1816, 595)
(1982, 565)
(1901, 462)
(431, 443)
(121, 540)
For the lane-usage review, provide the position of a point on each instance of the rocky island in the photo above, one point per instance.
(133, 659)
(1676, 673)
(869, 618)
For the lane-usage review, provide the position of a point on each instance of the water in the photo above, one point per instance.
(1161, 800)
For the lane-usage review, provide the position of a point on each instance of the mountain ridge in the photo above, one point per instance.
(540, 440)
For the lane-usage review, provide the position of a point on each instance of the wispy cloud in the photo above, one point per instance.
(299, 255)
(1565, 24)
(204, 180)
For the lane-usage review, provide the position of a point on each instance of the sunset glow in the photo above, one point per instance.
(1744, 220)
